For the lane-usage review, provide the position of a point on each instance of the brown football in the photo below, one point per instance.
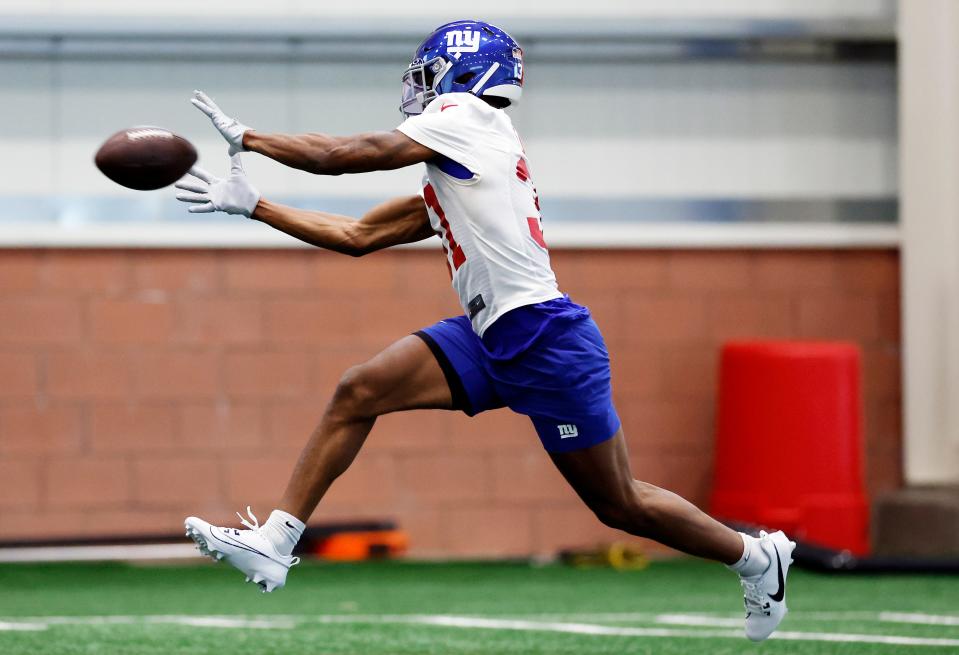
(145, 158)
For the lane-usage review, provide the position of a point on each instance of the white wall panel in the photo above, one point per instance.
(337, 98)
(771, 9)
(684, 129)
(693, 100)
(27, 127)
(36, 7)
(930, 230)
(692, 128)
(174, 7)
(718, 168)
(96, 99)
(713, 129)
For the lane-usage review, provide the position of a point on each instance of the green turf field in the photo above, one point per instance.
(397, 609)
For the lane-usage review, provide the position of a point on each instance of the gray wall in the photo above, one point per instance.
(610, 132)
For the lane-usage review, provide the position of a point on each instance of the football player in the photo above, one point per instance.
(521, 343)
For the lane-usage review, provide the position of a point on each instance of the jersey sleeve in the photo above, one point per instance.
(448, 129)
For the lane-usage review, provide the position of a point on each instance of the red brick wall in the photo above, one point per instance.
(142, 386)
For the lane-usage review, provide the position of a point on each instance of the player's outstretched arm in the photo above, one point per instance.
(323, 154)
(401, 220)
(318, 153)
(396, 221)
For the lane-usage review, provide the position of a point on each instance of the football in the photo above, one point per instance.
(145, 158)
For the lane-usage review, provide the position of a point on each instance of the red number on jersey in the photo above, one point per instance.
(535, 228)
(522, 170)
(536, 231)
(459, 257)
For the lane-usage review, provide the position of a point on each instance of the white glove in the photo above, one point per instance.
(231, 129)
(234, 195)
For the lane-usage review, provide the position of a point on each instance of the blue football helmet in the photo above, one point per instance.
(465, 56)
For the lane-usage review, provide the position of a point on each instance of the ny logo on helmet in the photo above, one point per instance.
(460, 41)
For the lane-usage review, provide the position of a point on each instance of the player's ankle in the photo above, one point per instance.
(283, 530)
(754, 559)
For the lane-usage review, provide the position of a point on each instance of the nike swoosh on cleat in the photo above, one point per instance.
(781, 592)
(237, 544)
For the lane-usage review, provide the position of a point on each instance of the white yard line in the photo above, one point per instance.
(866, 639)
(880, 617)
(699, 620)
(591, 629)
(554, 626)
(21, 626)
(920, 619)
(261, 622)
(227, 622)
(286, 622)
(131, 552)
(600, 617)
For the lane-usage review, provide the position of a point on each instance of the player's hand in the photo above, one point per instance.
(208, 193)
(231, 129)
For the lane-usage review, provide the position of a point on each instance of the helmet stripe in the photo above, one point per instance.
(483, 80)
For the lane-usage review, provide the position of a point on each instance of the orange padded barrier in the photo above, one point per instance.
(357, 546)
(789, 441)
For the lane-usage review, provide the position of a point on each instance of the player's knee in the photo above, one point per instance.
(612, 514)
(629, 511)
(356, 393)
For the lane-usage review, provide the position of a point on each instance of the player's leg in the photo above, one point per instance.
(405, 376)
(563, 385)
(439, 367)
(601, 476)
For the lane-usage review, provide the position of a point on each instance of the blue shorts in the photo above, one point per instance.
(561, 381)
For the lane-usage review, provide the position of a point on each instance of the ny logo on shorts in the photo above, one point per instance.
(568, 431)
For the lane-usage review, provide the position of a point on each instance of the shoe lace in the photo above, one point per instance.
(754, 597)
(254, 524)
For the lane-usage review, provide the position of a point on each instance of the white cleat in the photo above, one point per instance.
(765, 594)
(248, 550)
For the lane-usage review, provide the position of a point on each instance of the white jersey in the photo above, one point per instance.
(483, 205)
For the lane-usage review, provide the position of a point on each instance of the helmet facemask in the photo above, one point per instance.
(419, 84)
